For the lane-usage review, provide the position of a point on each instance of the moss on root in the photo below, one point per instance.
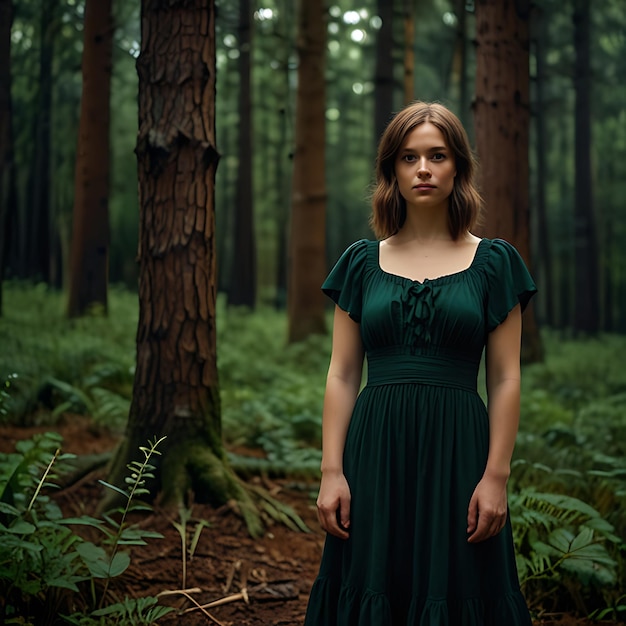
(211, 479)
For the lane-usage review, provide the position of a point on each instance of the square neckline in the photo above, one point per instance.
(414, 281)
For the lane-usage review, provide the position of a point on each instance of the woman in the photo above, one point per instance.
(415, 467)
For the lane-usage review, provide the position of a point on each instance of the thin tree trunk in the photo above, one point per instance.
(6, 143)
(242, 289)
(90, 232)
(39, 228)
(502, 132)
(409, 51)
(283, 154)
(586, 306)
(225, 185)
(565, 235)
(306, 302)
(460, 62)
(383, 73)
(544, 256)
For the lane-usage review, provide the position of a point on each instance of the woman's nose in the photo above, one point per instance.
(422, 168)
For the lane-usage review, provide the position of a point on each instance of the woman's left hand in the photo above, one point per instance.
(487, 512)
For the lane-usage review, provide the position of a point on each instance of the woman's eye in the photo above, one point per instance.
(438, 156)
(409, 158)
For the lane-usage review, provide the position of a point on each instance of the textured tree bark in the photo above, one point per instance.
(6, 146)
(383, 73)
(501, 114)
(176, 390)
(306, 302)
(586, 294)
(243, 280)
(90, 232)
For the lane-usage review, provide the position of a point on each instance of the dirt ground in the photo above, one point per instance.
(273, 573)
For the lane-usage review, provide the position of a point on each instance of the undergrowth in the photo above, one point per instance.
(49, 572)
(568, 483)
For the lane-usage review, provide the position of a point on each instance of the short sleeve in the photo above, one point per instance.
(344, 284)
(510, 283)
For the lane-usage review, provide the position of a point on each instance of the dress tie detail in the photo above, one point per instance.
(419, 306)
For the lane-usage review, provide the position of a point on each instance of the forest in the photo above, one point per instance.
(177, 177)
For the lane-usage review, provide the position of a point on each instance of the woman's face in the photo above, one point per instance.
(425, 168)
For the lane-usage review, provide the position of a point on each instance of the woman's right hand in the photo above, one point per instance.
(333, 504)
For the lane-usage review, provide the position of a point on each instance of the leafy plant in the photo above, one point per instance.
(182, 528)
(4, 395)
(130, 612)
(616, 611)
(558, 539)
(47, 568)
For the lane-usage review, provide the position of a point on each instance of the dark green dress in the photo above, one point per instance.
(417, 447)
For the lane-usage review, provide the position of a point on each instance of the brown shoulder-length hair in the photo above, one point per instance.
(388, 206)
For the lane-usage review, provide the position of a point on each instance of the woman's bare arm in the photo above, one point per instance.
(488, 506)
(342, 387)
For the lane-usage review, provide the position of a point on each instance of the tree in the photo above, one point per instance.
(242, 290)
(544, 248)
(39, 240)
(460, 59)
(306, 302)
(409, 51)
(501, 113)
(90, 233)
(586, 296)
(383, 74)
(176, 387)
(6, 144)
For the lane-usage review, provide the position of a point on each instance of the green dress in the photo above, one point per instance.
(416, 448)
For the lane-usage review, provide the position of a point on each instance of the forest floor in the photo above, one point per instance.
(275, 572)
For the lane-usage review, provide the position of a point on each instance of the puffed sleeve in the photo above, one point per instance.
(344, 284)
(510, 282)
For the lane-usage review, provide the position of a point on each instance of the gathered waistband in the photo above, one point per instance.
(390, 368)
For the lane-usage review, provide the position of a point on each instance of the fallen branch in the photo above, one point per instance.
(187, 594)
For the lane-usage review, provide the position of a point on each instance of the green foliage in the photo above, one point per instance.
(567, 488)
(271, 393)
(4, 394)
(46, 567)
(82, 366)
(568, 491)
(130, 612)
(558, 535)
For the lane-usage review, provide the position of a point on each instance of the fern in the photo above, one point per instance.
(558, 536)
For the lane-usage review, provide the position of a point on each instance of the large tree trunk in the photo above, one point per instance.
(501, 116)
(306, 302)
(242, 288)
(383, 74)
(176, 388)
(90, 232)
(587, 300)
(176, 392)
(6, 144)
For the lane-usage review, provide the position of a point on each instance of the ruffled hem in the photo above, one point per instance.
(346, 606)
